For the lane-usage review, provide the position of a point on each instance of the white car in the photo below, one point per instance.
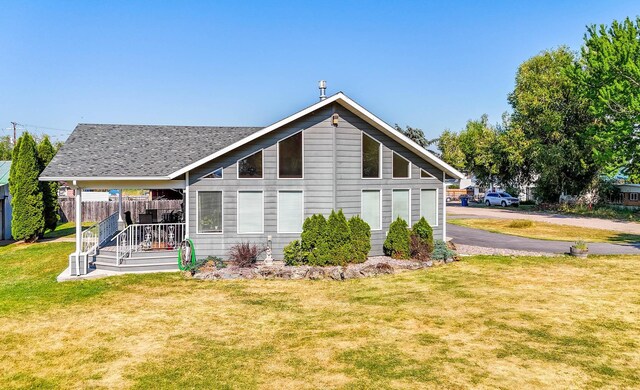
(500, 199)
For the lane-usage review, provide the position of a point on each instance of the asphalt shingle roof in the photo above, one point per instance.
(99, 150)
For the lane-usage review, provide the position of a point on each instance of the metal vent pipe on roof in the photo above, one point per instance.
(322, 85)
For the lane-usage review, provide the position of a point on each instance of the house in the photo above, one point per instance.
(629, 194)
(254, 184)
(5, 201)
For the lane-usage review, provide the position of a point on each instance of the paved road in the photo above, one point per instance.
(477, 237)
(456, 211)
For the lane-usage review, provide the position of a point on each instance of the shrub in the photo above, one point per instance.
(397, 244)
(420, 249)
(338, 239)
(520, 224)
(360, 238)
(245, 254)
(581, 245)
(49, 189)
(441, 251)
(293, 254)
(423, 230)
(313, 232)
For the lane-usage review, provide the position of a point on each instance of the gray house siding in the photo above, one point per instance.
(322, 155)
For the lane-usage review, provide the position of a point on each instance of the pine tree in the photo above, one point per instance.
(28, 217)
(46, 151)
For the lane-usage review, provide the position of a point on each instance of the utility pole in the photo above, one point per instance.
(14, 132)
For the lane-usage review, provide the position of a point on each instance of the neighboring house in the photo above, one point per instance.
(5, 201)
(629, 194)
(254, 184)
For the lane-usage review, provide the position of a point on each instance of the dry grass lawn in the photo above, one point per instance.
(485, 322)
(544, 231)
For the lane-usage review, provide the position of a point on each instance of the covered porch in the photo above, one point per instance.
(126, 242)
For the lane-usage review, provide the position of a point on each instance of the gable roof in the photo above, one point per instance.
(355, 108)
(137, 151)
(106, 152)
(5, 166)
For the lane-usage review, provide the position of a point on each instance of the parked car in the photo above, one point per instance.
(500, 199)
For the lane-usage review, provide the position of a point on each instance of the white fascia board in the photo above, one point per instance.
(102, 178)
(351, 106)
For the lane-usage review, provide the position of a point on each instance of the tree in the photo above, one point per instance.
(28, 217)
(46, 151)
(552, 117)
(450, 150)
(478, 142)
(5, 148)
(608, 76)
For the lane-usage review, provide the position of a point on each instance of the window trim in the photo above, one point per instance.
(427, 172)
(363, 134)
(278, 210)
(261, 191)
(278, 157)
(409, 168)
(437, 205)
(249, 155)
(198, 212)
(211, 172)
(379, 190)
(409, 206)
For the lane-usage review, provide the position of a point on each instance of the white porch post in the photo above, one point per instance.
(444, 207)
(186, 206)
(120, 221)
(78, 205)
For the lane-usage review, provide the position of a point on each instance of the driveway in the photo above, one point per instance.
(482, 238)
(457, 211)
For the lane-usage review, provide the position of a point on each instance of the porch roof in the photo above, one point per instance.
(137, 151)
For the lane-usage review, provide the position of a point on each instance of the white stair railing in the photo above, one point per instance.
(98, 233)
(146, 237)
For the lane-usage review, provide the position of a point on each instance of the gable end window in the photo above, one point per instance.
(426, 175)
(371, 158)
(290, 157)
(250, 167)
(217, 174)
(401, 167)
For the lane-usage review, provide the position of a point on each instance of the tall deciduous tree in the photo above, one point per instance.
(608, 75)
(46, 151)
(450, 150)
(553, 116)
(5, 148)
(28, 216)
(478, 143)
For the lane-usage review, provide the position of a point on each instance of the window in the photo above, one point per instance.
(250, 167)
(401, 205)
(209, 211)
(426, 175)
(370, 157)
(217, 174)
(250, 212)
(401, 167)
(370, 209)
(633, 196)
(290, 157)
(290, 211)
(429, 206)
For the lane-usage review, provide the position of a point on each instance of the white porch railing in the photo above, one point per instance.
(146, 237)
(98, 233)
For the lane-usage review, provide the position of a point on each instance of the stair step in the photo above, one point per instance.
(150, 267)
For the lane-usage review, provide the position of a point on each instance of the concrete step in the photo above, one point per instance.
(131, 268)
(142, 254)
(163, 259)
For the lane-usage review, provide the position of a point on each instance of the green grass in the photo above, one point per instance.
(545, 231)
(494, 322)
(65, 229)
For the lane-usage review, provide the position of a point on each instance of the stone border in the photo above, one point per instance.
(374, 266)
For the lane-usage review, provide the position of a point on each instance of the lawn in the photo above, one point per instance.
(482, 322)
(545, 231)
(66, 229)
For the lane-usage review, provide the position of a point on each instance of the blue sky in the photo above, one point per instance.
(431, 65)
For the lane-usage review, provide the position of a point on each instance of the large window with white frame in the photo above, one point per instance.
(290, 157)
(429, 206)
(371, 208)
(209, 212)
(371, 158)
(290, 211)
(250, 167)
(401, 167)
(250, 212)
(401, 205)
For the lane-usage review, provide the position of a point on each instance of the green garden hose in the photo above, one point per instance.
(186, 248)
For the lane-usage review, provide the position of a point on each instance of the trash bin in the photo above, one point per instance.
(464, 201)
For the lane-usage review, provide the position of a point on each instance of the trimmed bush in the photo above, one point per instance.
(27, 222)
(313, 232)
(49, 189)
(397, 244)
(360, 238)
(421, 240)
(293, 254)
(441, 251)
(339, 238)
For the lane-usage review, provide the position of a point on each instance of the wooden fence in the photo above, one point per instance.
(97, 211)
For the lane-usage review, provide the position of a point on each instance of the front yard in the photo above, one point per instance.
(482, 322)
